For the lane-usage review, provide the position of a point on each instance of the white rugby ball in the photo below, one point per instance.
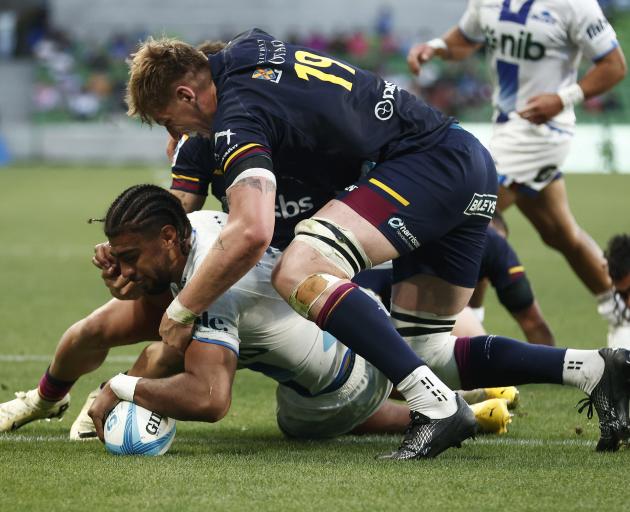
(134, 430)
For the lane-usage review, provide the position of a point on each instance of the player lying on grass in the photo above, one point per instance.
(84, 346)
(325, 389)
(136, 320)
(154, 251)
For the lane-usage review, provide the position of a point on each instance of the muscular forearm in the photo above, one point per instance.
(458, 47)
(604, 75)
(233, 254)
(183, 397)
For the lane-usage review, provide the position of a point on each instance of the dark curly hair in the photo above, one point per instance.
(618, 256)
(146, 209)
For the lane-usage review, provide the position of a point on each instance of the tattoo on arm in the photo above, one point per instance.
(255, 182)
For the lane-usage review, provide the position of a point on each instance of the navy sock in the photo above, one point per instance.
(490, 361)
(358, 322)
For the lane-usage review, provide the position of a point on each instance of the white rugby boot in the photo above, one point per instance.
(29, 406)
(83, 427)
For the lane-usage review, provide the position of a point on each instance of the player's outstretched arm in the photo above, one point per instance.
(451, 46)
(203, 392)
(238, 248)
(601, 77)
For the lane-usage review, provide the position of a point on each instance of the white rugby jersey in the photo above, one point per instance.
(259, 326)
(535, 46)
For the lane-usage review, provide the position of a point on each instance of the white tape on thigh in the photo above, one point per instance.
(303, 308)
(437, 349)
(344, 251)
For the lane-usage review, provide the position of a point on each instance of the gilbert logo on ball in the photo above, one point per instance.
(133, 430)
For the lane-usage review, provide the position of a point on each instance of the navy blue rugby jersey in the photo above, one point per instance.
(294, 105)
(194, 171)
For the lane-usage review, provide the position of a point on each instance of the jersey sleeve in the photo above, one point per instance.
(240, 139)
(469, 24)
(193, 166)
(590, 30)
(218, 325)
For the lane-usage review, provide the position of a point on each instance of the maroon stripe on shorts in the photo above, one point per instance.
(370, 205)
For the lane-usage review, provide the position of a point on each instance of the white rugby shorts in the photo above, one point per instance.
(529, 154)
(335, 413)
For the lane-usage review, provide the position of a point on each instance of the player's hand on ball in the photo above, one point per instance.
(101, 407)
(418, 55)
(542, 108)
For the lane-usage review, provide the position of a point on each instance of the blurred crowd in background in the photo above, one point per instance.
(84, 80)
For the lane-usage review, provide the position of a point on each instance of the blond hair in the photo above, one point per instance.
(154, 69)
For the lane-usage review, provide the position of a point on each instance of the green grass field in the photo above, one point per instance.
(243, 462)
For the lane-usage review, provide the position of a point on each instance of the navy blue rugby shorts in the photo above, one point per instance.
(433, 206)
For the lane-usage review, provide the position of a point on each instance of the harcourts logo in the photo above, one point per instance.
(287, 209)
(403, 232)
(522, 46)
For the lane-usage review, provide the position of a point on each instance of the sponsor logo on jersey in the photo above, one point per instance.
(522, 46)
(545, 17)
(596, 28)
(214, 323)
(271, 75)
(482, 205)
(226, 133)
(276, 48)
(287, 209)
(384, 109)
(403, 232)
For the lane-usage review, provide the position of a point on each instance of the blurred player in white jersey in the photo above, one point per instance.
(534, 48)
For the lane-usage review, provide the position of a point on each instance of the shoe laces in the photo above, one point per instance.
(417, 420)
(583, 404)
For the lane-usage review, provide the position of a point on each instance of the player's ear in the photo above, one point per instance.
(168, 235)
(185, 93)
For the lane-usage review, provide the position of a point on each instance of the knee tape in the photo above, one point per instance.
(306, 293)
(335, 243)
(430, 338)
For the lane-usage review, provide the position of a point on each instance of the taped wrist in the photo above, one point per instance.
(437, 44)
(571, 95)
(124, 386)
(177, 312)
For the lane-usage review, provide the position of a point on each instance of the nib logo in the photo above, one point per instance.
(521, 46)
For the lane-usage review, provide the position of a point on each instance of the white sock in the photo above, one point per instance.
(582, 369)
(427, 394)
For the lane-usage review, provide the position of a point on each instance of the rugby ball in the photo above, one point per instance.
(133, 430)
